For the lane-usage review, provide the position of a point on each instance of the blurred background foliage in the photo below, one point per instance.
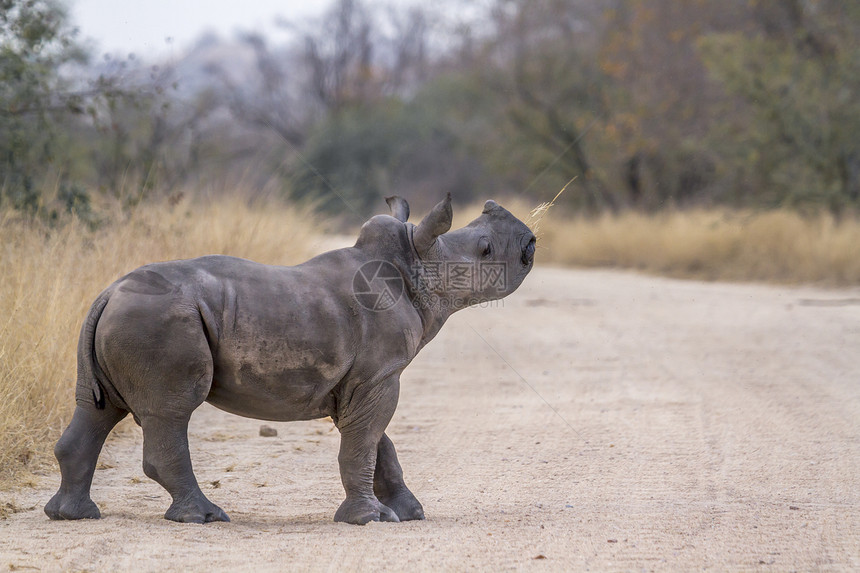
(650, 104)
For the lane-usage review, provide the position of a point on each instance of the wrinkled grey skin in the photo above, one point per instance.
(274, 343)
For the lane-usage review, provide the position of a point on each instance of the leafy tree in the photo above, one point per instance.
(362, 154)
(554, 96)
(35, 42)
(799, 76)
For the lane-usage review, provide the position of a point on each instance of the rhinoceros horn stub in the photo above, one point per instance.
(399, 208)
(437, 222)
(491, 206)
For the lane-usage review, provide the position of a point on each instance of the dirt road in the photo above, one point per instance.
(596, 420)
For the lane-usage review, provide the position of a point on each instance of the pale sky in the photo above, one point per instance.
(142, 26)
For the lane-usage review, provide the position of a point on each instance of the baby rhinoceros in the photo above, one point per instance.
(328, 337)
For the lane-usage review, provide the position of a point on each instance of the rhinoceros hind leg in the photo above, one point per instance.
(167, 460)
(388, 484)
(77, 451)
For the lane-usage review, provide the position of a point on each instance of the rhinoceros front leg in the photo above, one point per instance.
(361, 423)
(388, 484)
(167, 460)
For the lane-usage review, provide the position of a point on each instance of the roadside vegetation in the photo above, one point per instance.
(780, 246)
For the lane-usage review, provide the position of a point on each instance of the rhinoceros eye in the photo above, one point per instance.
(486, 248)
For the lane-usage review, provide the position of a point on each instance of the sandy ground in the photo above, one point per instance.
(595, 420)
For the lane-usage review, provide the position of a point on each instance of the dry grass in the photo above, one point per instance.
(50, 276)
(537, 214)
(779, 246)
(775, 246)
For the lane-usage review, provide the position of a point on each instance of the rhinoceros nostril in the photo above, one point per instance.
(529, 252)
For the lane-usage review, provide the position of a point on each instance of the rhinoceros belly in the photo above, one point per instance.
(285, 396)
(284, 386)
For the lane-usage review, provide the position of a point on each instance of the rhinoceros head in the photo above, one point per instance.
(485, 260)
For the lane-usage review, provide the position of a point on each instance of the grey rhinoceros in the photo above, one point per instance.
(328, 337)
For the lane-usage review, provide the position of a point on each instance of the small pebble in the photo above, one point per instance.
(268, 431)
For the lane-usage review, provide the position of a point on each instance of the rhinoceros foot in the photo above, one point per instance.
(64, 507)
(361, 511)
(404, 505)
(196, 509)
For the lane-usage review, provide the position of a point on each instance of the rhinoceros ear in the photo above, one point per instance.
(437, 222)
(399, 208)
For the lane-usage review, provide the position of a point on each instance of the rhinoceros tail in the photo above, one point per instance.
(91, 379)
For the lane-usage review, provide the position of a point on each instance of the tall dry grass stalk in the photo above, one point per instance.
(50, 276)
(775, 246)
(537, 214)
